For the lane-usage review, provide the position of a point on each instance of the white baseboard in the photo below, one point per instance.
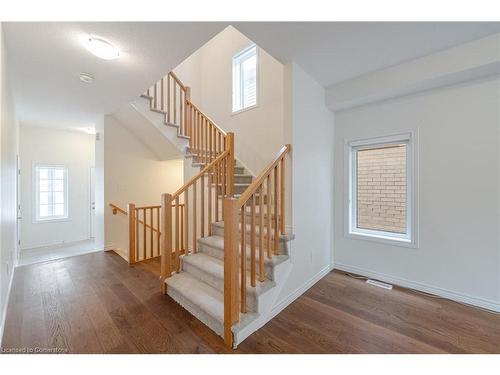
(4, 308)
(38, 245)
(298, 292)
(441, 292)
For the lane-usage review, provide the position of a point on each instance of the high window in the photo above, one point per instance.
(380, 188)
(245, 79)
(51, 194)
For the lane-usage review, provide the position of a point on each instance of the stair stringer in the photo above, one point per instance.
(157, 119)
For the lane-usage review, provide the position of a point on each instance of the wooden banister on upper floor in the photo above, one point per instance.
(258, 194)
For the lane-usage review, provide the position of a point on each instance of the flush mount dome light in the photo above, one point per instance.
(86, 78)
(102, 48)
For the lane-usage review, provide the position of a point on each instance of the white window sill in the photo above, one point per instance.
(244, 110)
(380, 238)
(51, 220)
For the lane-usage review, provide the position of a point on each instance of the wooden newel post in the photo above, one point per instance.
(231, 313)
(166, 239)
(230, 164)
(131, 233)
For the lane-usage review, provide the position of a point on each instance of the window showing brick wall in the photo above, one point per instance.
(381, 189)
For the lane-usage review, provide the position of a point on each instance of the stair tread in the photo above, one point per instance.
(215, 267)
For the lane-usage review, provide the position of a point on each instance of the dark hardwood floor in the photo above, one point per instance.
(96, 303)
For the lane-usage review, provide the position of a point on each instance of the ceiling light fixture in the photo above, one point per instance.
(86, 78)
(101, 48)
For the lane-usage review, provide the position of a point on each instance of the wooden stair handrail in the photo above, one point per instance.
(252, 189)
(122, 211)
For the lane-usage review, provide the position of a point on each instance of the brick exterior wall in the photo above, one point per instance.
(381, 196)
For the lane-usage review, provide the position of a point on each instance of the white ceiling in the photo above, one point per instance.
(45, 59)
(332, 52)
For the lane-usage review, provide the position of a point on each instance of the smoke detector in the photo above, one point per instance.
(86, 78)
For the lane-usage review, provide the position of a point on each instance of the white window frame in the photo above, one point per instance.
(237, 59)
(408, 239)
(36, 194)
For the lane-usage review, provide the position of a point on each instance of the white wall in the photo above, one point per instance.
(8, 186)
(259, 132)
(312, 188)
(459, 192)
(132, 174)
(75, 150)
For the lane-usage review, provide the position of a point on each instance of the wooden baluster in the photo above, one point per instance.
(224, 179)
(261, 234)
(162, 95)
(252, 241)
(282, 196)
(202, 206)
(195, 130)
(182, 228)
(155, 95)
(209, 213)
(199, 137)
(151, 235)
(181, 115)
(275, 219)
(175, 102)
(211, 142)
(144, 234)
(268, 215)
(243, 270)
(137, 244)
(131, 232)
(230, 163)
(231, 315)
(210, 137)
(195, 224)
(205, 141)
(216, 175)
(158, 232)
(168, 97)
(187, 98)
(186, 222)
(166, 239)
(218, 143)
(177, 248)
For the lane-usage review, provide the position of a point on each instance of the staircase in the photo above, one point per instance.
(224, 251)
